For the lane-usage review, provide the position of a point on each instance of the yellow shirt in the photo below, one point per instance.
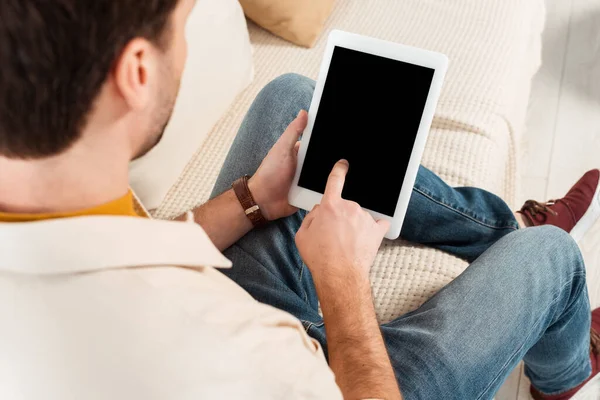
(121, 206)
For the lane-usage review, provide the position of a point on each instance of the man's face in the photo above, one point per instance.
(171, 65)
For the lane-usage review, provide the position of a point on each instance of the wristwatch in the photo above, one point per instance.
(252, 210)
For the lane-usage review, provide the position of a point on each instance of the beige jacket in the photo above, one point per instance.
(130, 308)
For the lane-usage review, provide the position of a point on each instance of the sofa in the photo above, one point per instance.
(494, 49)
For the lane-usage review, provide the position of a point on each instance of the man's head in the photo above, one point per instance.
(77, 68)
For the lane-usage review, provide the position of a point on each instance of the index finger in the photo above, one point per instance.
(336, 180)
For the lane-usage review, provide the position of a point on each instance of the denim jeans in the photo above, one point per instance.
(523, 297)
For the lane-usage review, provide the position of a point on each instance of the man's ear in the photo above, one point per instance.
(132, 73)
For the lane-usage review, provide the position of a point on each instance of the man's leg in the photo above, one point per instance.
(462, 221)
(525, 298)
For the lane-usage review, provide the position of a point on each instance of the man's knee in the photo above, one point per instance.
(286, 93)
(557, 252)
(288, 84)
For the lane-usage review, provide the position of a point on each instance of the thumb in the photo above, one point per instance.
(294, 130)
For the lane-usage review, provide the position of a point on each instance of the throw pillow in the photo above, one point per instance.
(299, 21)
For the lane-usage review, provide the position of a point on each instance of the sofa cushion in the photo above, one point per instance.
(219, 67)
(299, 21)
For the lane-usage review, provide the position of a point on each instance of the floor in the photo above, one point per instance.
(563, 126)
(562, 139)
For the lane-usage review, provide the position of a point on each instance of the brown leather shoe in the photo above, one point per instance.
(590, 388)
(574, 213)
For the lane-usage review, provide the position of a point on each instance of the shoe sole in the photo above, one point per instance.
(589, 218)
(589, 391)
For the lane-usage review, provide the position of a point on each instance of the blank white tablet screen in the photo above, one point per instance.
(369, 114)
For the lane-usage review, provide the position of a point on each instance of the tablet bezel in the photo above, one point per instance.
(305, 198)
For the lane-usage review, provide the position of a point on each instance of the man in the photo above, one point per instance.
(97, 302)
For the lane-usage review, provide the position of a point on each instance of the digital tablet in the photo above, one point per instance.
(373, 105)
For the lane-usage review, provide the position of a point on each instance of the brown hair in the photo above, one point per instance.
(56, 55)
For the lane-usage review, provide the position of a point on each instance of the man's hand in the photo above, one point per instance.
(225, 221)
(271, 183)
(338, 239)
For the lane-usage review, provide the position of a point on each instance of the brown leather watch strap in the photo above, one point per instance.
(252, 210)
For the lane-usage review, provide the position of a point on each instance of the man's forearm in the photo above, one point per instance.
(357, 353)
(223, 219)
